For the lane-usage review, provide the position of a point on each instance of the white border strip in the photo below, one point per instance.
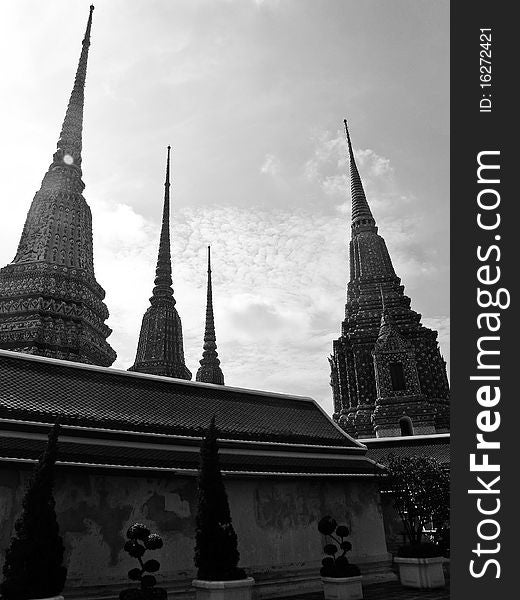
(360, 448)
(178, 447)
(406, 438)
(190, 471)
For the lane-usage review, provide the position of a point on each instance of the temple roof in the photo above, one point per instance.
(41, 389)
(436, 445)
(118, 419)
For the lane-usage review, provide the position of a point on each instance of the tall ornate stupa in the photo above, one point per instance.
(387, 373)
(160, 349)
(50, 301)
(209, 370)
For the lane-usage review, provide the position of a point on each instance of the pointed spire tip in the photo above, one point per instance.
(167, 182)
(361, 213)
(86, 39)
(348, 136)
(163, 270)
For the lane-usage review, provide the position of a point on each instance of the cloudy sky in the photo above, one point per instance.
(251, 95)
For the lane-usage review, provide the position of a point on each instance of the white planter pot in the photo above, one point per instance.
(342, 588)
(423, 573)
(238, 589)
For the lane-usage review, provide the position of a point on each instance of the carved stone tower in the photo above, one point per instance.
(209, 370)
(387, 374)
(160, 349)
(50, 301)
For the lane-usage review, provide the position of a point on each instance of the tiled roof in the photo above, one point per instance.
(37, 389)
(435, 445)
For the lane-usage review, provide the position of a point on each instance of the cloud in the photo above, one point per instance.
(372, 164)
(329, 167)
(278, 285)
(271, 165)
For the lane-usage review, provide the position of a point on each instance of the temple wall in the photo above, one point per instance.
(275, 520)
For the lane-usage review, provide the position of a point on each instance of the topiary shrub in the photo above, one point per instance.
(336, 563)
(216, 549)
(33, 562)
(140, 539)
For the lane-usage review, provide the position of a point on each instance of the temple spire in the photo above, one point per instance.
(160, 350)
(209, 370)
(163, 271)
(50, 302)
(361, 213)
(384, 350)
(69, 145)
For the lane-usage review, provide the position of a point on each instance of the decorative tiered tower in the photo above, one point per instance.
(160, 350)
(387, 374)
(50, 301)
(209, 370)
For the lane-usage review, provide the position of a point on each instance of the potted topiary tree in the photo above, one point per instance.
(216, 551)
(341, 580)
(420, 489)
(140, 539)
(33, 563)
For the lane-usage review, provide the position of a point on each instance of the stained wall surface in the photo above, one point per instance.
(275, 520)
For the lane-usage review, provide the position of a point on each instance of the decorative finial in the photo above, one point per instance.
(68, 151)
(361, 214)
(351, 152)
(346, 130)
(163, 271)
(167, 180)
(86, 39)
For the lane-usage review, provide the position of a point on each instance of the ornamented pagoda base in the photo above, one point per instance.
(54, 311)
(390, 411)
